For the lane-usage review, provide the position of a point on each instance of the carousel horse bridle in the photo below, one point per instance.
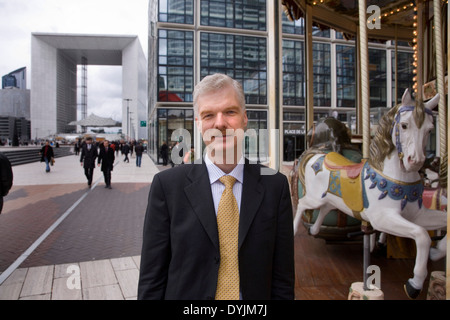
(396, 124)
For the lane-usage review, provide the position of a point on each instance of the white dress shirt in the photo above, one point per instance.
(217, 187)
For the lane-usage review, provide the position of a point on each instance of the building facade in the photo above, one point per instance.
(190, 39)
(54, 61)
(15, 108)
(15, 79)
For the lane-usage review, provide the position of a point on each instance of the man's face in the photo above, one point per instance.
(221, 120)
(106, 144)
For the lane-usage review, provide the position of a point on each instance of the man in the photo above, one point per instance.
(106, 160)
(87, 159)
(164, 152)
(139, 151)
(125, 151)
(47, 155)
(188, 252)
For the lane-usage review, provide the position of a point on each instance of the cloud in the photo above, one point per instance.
(19, 18)
(105, 91)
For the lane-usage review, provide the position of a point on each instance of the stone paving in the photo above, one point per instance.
(93, 252)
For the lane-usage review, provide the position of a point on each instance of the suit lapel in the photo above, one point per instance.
(199, 194)
(252, 196)
(200, 197)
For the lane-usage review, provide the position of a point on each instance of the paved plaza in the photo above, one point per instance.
(62, 240)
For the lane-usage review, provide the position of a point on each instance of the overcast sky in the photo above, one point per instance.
(19, 18)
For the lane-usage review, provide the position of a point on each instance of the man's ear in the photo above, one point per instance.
(199, 124)
(245, 120)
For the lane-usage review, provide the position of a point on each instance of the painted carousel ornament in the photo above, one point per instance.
(384, 190)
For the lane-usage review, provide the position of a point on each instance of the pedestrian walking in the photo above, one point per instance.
(125, 151)
(131, 148)
(139, 149)
(47, 155)
(164, 151)
(106, 160)
(87, 159)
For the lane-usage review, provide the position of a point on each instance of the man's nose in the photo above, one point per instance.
(220, 122)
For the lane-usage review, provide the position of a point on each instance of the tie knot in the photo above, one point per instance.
(228, 181)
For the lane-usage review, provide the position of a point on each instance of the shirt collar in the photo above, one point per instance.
(215, 173)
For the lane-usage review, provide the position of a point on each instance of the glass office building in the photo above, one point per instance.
(189, 39)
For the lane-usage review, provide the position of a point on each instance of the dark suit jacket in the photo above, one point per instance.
(88, 156)
(106, 158)
(180, 254)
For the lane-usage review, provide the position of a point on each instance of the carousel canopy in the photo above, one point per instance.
(95, 121)
(397, 17)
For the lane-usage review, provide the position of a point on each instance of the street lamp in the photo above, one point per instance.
(128, 111)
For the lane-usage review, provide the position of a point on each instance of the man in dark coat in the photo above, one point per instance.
(47, 155)
(188, 253)
(139, 151)
(87, 159)
(125, 151)
(106, 160)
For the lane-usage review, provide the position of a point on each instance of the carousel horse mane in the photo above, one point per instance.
(381, 145)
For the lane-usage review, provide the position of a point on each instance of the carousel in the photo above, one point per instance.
(377, 190)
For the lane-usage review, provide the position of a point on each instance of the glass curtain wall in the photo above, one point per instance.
(405, 74)
(238, 14)
(175, 65)
(345, 76)
(243, 58)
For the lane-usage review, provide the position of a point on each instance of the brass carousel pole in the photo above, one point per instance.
(365, 106)
(358, 289)
(440, 83)
(448, 184)
(309, 108)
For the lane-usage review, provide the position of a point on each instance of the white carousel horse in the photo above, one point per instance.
(386, 190)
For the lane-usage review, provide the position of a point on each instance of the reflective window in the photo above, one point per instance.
(377, 76)
(239, 14)
(405, 74)
(345, 76)
(242, 58)
(256, 143)
(175, 65)
(322, 74)
(176, 11)
(293, 73)
(294, 83)
(298, 27)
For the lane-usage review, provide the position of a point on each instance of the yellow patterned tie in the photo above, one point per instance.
(228, 225)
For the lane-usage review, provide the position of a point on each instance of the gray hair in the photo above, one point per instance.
(216, 82)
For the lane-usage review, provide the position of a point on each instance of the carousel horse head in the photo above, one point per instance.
(404, 133)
